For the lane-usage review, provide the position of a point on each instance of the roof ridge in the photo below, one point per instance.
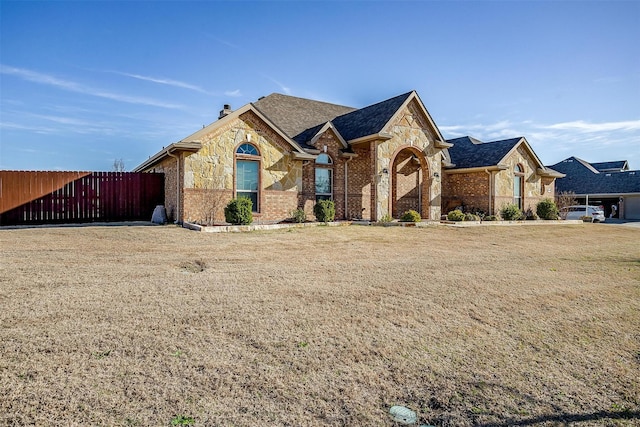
(304, 99)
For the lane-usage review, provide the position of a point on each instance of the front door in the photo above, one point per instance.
(409, 190)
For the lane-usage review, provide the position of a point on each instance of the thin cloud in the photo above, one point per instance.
(284, 88)
(165, 81)
(233, 93)
(35, 77)
(582, 126)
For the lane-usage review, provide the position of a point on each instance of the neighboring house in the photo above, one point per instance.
(487, 176)
(604, 183)
(286, 153)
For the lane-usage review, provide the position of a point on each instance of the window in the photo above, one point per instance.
(518, 186)
(248, 174)
(247, 149)
(324, 177)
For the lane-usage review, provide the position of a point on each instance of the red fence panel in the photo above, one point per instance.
(78, 197)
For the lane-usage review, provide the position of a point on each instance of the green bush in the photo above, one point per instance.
(299, 215)
(238, 211)
(455, 215)
(386, 219)
(471, 217)
(547, 209)
(325, 211)
(410, 216)
(490, 218)
(510, 212)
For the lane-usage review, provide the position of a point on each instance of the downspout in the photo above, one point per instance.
(490, 190)
(177, 221)
(346, 187)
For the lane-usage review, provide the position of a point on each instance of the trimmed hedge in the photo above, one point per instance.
(547, 209)
(325, 211)
(455, 215)
(510, 212)
(238, 211)
(299, 216)
(410, 216)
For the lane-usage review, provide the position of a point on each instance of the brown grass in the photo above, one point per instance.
(489, 326)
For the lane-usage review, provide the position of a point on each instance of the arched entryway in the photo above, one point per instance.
(409, 183)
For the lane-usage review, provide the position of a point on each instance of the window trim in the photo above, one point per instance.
(248, 157)
(328, 165)
(518, 176)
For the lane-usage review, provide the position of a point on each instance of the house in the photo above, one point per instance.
(485, 176)
(285, 153)
(604, 183)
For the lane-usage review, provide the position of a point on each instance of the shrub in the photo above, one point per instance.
(455, 215)
(410, 216)
(547, 209)
(471, 217)
(386, 219)
(299, 215)
(325, 211)
(530, 214)
(510, 212)
(238, 211)
(490, 218)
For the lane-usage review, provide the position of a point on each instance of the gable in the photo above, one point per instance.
(469, 153)
(296, 115)
(413, 115)
(583, 178)
(369, 120)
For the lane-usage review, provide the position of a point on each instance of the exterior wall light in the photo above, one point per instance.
(385, 170)
(436, 175)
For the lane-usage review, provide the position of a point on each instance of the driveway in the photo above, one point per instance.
(624, 222)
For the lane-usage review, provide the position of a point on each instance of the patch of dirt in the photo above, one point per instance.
(197, 266)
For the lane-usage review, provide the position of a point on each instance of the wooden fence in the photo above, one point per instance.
(78, 197)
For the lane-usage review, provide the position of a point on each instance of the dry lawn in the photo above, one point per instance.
(490, 326)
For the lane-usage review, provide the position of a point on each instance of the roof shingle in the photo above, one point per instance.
(294, 115)
(468, 152)
(583, 178)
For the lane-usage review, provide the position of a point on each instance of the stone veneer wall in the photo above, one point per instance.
(532, 181)
(213, 168)
(168, 167)
(411, 129)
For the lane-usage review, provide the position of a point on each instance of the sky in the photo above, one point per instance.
(85, 84)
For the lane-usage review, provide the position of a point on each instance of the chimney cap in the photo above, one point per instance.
(226, 110)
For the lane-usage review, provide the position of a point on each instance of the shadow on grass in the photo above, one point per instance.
(568, 419)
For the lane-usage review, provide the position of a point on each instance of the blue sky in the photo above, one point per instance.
(85, 83)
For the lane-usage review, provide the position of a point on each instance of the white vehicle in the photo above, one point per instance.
(577, 212)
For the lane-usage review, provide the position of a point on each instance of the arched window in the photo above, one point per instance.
(248, 174)
(324, 177)
(518, 186)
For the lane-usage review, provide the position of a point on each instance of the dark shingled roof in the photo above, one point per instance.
(295, 115)
(616, 166)
(368, 120)
(583, 178)
(467, 154)
(301, 119)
